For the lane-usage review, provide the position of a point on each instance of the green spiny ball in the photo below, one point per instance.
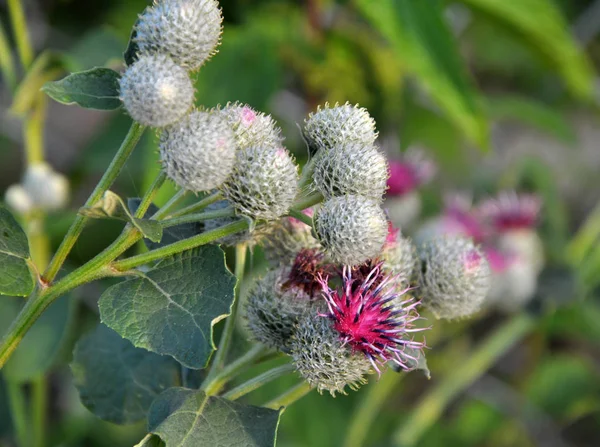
(252, 128)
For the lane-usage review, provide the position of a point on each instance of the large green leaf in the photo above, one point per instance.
(117, 381)
(97, 88)
(540, 22)
(172, 308)
(38, 349)
(190, 418)
(15, 276)
(111, 206)
(421, 38)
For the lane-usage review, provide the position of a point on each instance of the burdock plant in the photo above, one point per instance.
(338, 298)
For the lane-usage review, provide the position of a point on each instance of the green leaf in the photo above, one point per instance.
(422, 40)
(15, 277)
(39, 348)
(172, 308)
(189, 418)
(117, 381)
(97, 47)
(97, 88)
(152, 441)
(170, 235)
(111, 206)
(540, 22)
(533, 113)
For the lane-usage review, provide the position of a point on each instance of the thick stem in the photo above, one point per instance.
(431, 407)
(258, 381)
(39, 409)
(19, 25)
(215, 384)
(369, 408)
(198, 206)
(289, 397)
(18, 412)
(150, 195)
(6, 62)
(199, 217)
(228, 330)
(179, 246)
(33, 131)
(132, 138)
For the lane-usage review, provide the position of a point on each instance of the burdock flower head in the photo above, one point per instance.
(329, 127)
(305, 271)
(375, 318)
(510, 211)
(406, 175)
(399, 255)
(454, 278)
(252, 128)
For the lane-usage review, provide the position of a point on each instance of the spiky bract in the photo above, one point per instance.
(399, 256)
(252, 128)
(286, 238)
(155, 91)
(352, 229)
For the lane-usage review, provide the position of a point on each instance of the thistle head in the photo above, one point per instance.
(286, 238)
(252, 128)
(407, 174)
(374, 317)
(399, 255)
(323, 359)
(273, 311)
(305, 271)
(329, 127)
(188, 31)
(156, 91)
(454, 278)
(198, 151)
(511, 211)
(263, 183)
(351, 168)
(352, 229)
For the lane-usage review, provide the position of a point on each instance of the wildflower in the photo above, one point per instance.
(307, 267)
(374, 320)
(252, 128)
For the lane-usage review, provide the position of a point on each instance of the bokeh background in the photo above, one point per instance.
(501, 94)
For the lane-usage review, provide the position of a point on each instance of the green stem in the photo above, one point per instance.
(19, 25)
(33, 131)
(290, 396)
(308, 201)
(129, 143)
(301, 217)
(179, 246)
(431, 407)
(199, 217)
(258, 381)
(150, 195)
(164, 210)
(228, 330)
(216, 383)
(7, 64)
(369, 408)
(198, 206)
(307, 172)
(18, 411)
(39, 395)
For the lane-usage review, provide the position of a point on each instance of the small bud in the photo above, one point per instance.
(374, 318)
(198, 151)
(272, 311)
(17, 198)
(351, 169)
(48, 189)
(323, 359)
(399, 255)
(263, 183)
(252, 128)
(329, 127)
(286, 238)
(155, 91)
(352, 229)
(188, 31)
(454, 278)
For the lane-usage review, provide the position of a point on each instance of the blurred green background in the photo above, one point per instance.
(502, 94)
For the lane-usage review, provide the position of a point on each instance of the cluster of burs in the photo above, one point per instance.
(341, 295)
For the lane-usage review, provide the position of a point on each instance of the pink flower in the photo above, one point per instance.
(247, 116)
(408, 174)
(460, 219)
(374, 319)
(511, 211)
(306, 270)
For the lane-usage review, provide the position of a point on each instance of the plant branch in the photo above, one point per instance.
(19, 24)
(432, 405)
(7, 64)
(199, 217)
(301, 217)
(129, 143)
(258, 381)
(289, 397)
(150, 195)
(198, 206)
